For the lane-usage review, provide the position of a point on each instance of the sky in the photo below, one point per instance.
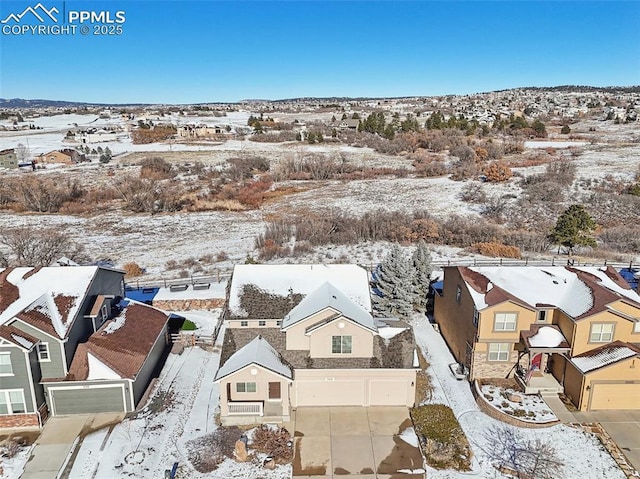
(225, 51)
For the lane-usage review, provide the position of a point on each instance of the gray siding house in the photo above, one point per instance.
(111, 371)
(42, 312)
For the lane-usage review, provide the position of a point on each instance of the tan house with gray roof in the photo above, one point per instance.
(303, 335)
(556, 329)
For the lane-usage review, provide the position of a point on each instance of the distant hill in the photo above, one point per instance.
(39, 103)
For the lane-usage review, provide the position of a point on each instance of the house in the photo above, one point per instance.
(66, 156)
(49, 318)
(8, 158)
(303, 335)
(557, 329)
(348, 124)
(95, 135)
(192, 131)
(111, 370)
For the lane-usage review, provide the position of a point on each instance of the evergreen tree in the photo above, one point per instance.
(394, 281)
(421, 262)
(574, 228)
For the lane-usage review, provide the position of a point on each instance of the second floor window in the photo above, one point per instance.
(262, 323)
(341, 344)
(505, 321)
(5, 364)
(43, 352)
(244, 323)
(601, 333)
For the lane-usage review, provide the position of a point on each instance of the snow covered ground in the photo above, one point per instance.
(582, 454)
(181, 408)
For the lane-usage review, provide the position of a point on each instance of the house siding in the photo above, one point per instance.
(20, 377)
(296, 337)
(157, 354)
(455, 319)
(484, 369)
(105, 282)
(320, 340)
(55, 368)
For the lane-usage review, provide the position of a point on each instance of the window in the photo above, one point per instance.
(636, 327)
(5, 364)
(279, 323)
(341, 344)
(499, 351)
(505, 321)
(43, 353)
(601, 333)
(245, 387)
(542, 316)
(262, 323)
(244, 323)
(104, 312)
(12, 401)
(458, 294)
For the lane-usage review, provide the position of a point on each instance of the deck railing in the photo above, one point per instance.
(246, 408)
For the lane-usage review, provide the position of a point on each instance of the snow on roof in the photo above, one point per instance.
(259, 352)
(553, 285)
(607, 282)
(303, 279)
(24, 342)
(328, 296)
(99, 370)
(38, 287)
(604, 356)
(116, 323)
(389, 332)
(547, 337)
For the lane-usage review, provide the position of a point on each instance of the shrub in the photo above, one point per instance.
(473, 193)
(497, 172)
(156, 169)
(141, 136)
(189, 326)
(132, 270)
(274, 441)
(496, 250)
(444, 443)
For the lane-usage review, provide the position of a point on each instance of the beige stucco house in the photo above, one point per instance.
(303, 335)
(565, 329)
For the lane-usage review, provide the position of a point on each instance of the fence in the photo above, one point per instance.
(191, 339)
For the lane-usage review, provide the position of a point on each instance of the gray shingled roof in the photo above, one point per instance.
(259, 352)
(328, 296)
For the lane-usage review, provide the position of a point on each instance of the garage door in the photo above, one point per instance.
(87, 400)
(615, 396)
(330, 393)
(388, 393)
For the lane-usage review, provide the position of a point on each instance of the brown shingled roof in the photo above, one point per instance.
(8, 292)
(494, 295)
(125, 349)
(12, 334)
(600, 294)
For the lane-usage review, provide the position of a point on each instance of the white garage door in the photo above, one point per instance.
(615, 396)
(388, 392)
(330, 393)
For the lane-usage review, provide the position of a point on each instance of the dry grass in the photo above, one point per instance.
(424, 388)
(443, 442)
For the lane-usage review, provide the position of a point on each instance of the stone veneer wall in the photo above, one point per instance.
(492, 369)
(189, 304)
(20, 420)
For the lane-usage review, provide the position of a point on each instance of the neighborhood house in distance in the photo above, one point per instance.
(304, 335)
(70, 343)
(558, 329)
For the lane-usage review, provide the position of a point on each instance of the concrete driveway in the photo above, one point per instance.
(359, 442)
(57, 440)
(622, 426)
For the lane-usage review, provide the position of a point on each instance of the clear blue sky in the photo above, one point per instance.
(201, 51)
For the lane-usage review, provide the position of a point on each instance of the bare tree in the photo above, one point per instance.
(526, 458)
(37, 247)
(22, 153)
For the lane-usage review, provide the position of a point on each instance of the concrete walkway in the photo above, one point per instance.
(54, 446)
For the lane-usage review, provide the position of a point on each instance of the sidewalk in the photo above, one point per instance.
(57, 441)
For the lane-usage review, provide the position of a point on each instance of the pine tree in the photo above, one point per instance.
(394, 281)
(421, 262)
(574, 228)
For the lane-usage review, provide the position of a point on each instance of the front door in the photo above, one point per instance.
(274, 391)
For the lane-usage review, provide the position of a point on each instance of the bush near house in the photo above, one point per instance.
(496, 250)
(442, 440)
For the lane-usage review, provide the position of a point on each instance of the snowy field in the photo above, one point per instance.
(582, 454)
